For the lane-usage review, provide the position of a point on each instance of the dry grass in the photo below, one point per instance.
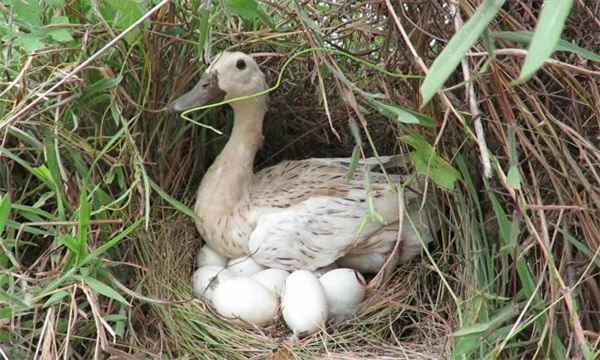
(400, 311)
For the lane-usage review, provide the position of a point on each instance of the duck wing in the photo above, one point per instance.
(310, 214)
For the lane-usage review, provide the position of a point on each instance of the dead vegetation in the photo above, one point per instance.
(513, 273)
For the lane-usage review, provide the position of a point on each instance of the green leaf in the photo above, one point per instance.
(56, 4)
(70, 242)
(323, 8)
(30, 11)
(43, 172)
(474, 329)
(60, 34)
(503, 222)
(465, 344)
(4, 211)
(524, 37)
(458, 46)
(52, 172)
(307, 20)
(84, 220)
(403, 115)
(104, 289)
(513, 178)
(29, 42)
(127, 12)
(13, 299)
(353, 163)
(324, 70)
(246, 9)
(5, 312)
(204, 29)
(115, 317)
(56, 297)
(583, 249)
(174, 202)
(264, 16)
(98, 87)
(469, 337)
(109, 244)
(547, 34)
(428, 162)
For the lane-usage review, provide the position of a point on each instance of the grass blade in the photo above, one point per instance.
(102, 288)
(458, 46)
(12, 299)
(503, 315)
(524, 37)
(171, 200)
(109, 244)
(84, 220)
(264, 16)
(56, 297)
(70, 243)
(404, 115)
(546, 36)
(4, 211)
(428, 162)
(204, 28)
(353, 163)
(54, 172)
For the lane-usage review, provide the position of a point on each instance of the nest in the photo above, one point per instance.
(395, 322)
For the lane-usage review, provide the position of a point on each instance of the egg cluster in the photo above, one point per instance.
(247, 293)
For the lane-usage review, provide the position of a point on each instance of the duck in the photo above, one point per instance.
(298, 214)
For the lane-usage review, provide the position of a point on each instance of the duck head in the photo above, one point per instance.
(230, 75)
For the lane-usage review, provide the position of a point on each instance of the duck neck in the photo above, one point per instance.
(229, 178)
(246, 135)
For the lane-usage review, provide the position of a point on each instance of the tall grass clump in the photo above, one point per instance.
(496, 101)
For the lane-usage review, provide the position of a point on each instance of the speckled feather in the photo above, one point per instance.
(319, 213)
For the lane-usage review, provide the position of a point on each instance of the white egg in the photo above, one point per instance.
(207, 256)
(303, 303)
(244, 266)
(344, 291)
(245, 301)
(206, 278)
(272, 279)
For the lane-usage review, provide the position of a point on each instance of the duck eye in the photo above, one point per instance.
(241, 64)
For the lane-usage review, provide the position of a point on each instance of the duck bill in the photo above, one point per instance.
(206, 91)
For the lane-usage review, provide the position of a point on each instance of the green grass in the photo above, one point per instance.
(96, 179)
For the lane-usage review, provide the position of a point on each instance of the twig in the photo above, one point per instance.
(135, 295)
(20, 75)
(63, 223)
(101, 340)
(45, 327)
(406, 38)
(61, 167)
(596, 18)
(558, 207)
(472, 98)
